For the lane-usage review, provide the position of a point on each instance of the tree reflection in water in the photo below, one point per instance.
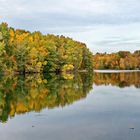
(21, 94)
(118, 79)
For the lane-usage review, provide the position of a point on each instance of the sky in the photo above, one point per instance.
(104, 25)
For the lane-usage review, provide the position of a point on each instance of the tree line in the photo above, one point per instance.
(32, 52)
(122, 60)
(24, 52)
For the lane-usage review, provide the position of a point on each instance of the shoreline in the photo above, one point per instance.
(115, 71)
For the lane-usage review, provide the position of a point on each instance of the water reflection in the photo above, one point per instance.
(21, 94)
(118, 79)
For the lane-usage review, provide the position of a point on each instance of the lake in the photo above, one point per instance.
(98, 106)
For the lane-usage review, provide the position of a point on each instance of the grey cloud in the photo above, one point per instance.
(65, 13)
(65, 17)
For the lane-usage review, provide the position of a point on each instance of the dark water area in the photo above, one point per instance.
(99, 106)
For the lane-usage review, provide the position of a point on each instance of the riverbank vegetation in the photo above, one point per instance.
(122, 60)
(32, 52)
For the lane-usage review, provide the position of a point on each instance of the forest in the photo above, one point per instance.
(122, 60)
(32, 52)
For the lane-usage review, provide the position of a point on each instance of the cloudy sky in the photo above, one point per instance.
(104, 25)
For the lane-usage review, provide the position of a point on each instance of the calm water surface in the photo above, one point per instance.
(70, 107)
